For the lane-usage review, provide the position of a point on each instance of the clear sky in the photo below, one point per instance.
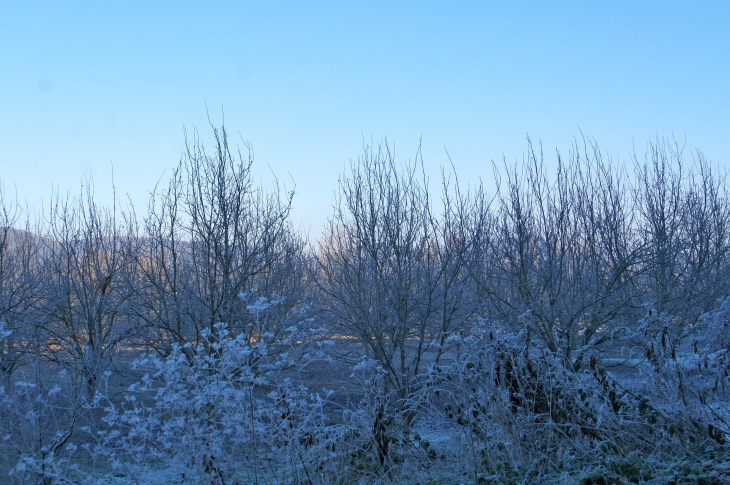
(84, 85)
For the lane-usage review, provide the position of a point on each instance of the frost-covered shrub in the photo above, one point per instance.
(364, 440)
(686, 371)
(192, 414)
(190, 401)
(38, 416)
(519, 414)
(219, 412)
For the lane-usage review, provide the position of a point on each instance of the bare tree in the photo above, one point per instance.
(19, 250)
(611, 256)
(559, 253)
(453, 242)
(685, 219)
(87, 265)
(213, 241)
(390, 271)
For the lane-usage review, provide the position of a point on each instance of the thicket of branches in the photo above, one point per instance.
(570, 327)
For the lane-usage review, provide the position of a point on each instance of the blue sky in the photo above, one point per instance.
(88, 85)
